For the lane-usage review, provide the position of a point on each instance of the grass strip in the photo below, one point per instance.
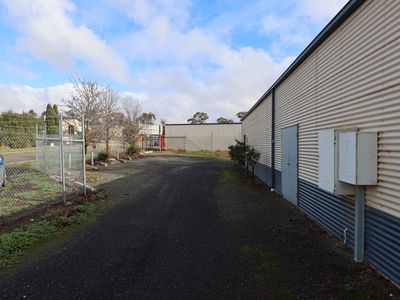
(16, 244)
(212, 154)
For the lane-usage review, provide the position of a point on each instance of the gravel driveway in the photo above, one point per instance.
(194, 228)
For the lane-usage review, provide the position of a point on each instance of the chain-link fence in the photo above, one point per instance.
(150, 142)
(40, 168)
(117, 150)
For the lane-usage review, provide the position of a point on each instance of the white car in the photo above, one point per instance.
(3, 175)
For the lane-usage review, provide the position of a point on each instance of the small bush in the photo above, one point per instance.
(252, 156)
(238, 153)
(103, 155)
(132, 150)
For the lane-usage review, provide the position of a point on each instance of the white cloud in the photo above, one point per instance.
(144, 12)
(175, 93)
(17, 72)
(183, 68)
(321, 10)
(23, 97)
(48, 34)
(298, 25)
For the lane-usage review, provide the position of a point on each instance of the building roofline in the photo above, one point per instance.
(338, 20)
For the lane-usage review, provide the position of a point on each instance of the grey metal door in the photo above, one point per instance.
(289, 164)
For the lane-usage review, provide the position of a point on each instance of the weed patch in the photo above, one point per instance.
(26, 190)
(17, 243)
(229, 176)
(203, 153)
(93, 176)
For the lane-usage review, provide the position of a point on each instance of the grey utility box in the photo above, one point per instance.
(358, 158)
(328, 168)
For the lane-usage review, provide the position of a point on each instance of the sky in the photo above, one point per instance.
(176, 57)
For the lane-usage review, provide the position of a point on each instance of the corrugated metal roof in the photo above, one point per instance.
(342, 16)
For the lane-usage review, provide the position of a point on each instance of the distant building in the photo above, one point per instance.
(198, 137)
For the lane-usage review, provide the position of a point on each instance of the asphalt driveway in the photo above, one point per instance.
(193, 228)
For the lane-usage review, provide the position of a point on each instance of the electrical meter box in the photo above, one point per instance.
(358, 158)
(328, 169)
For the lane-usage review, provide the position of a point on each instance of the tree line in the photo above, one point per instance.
(18, 130)
(202, 117)
(104, 117)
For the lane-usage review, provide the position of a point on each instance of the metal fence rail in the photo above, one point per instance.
(40, 168)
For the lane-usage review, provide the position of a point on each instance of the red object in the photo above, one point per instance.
(162, 141)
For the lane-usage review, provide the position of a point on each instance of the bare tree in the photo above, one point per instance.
(85, 100)
(133, 111)
(110, 117)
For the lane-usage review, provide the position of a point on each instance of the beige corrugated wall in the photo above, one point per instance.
(351, 81)
(257, 127)
(202, 137)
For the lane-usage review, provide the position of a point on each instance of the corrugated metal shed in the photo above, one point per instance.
(210, 136)
(352, 86)
(349, 77)
(257, 128)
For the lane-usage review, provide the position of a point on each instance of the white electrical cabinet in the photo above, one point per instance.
(328, 169)
(358, 158)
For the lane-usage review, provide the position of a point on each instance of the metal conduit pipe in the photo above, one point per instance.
(273, 140)
(359, 223)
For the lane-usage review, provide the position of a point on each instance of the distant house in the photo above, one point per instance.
(150, 129)
(72, 126)
(150, 136)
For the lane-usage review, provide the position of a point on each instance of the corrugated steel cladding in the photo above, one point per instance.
(210, 137)
(258, 134)
(351, 80)
(258, 131)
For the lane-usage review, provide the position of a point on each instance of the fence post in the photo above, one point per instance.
(69, 153)
(62, 156)
(36, 148)
(84, 155)
(92, 158)
(211, 141)
(45, 148)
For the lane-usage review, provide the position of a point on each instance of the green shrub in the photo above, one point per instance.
(252, 156)
(103, 155)
(238, 153)
(132, 150)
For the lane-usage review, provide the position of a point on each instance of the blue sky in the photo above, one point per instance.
(175, 56)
